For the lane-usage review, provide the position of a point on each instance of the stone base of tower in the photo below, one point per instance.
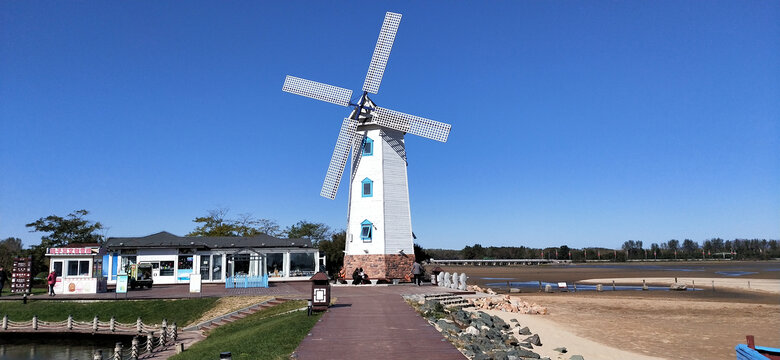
(382, 267)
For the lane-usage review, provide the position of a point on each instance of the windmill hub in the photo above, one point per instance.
(379, 229)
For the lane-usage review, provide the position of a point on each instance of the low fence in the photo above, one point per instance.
(147, 339)
(245, 281)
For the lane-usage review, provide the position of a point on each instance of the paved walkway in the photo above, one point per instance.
(374, 322)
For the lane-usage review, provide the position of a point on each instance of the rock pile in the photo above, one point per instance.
(476, 288)
(481, 336)
(507, 304)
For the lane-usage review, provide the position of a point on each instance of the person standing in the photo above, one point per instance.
(51, 279)
(3, 278)
(417, 272)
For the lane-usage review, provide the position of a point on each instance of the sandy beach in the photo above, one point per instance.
(631, 324)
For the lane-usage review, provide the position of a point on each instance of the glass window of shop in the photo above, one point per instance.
(185, 267)
(302, 264)
(216, 267)
(166, 268)
(274, 264)
(127, 260)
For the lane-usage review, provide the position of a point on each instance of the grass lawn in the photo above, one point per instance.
(126, 311)
(257, 336)
(35, 291)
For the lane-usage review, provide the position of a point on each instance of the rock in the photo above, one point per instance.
(526, 345)
(472, 330)
(461, 318)
(497, 322)
(514, 321)
(524, 331)
(678, 287)
(487, 319)
(534, 339)
(482, 356)
(561, 350)
(447, 326)
(500, 355)
(522, 353)
(576, 357)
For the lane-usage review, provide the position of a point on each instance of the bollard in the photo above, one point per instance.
(748, 284)
(693, 283)
(225, 355)
(644, 285)
(613, 285)
(599, 288)
(35, 322)
(161, 340)
(174, 332)
(713, 285)
(575, 287)
(112, 324)
(150, 342)
(179, 348)
(139, 326)
(5, 322)
(24, 299)
(540, 285)
(70, 325)
(95, 324)
(118, 351)
(134, 348)
(97, 355)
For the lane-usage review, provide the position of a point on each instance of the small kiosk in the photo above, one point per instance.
(79, 269)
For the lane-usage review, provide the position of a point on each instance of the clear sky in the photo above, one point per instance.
(579, 123)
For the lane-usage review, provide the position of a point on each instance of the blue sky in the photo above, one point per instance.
(579, 123)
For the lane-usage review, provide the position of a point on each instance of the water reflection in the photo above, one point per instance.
(56, 346)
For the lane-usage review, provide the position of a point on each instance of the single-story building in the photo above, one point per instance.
(79, 268)
(173, 258)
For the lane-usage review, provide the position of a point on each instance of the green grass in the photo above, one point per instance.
(35, 291)
(181, 311)
(257, 336)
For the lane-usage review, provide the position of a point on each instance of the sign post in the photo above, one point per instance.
(121, 285)
(22, 275)
(195, 283)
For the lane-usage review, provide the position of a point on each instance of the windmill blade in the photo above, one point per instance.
(411, 124)
(381, 52)
(339, 159)
(317, 90)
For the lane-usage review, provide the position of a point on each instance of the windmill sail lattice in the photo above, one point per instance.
(365, 112)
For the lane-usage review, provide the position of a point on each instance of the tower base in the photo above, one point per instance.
(382, 266)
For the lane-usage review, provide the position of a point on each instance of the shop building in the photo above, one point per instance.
(79, 268)
(173, 258)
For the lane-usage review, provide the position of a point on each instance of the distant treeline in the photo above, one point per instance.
(738, 249)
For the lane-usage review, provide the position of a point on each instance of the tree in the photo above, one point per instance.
(73, 229)
(315, 232)
(9, 249)
(333, 250)
(690, 246)
(217, 224)
(420, 254)
(214, 224)
(673, 244)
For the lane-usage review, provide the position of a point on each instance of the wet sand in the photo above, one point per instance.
(667, 324)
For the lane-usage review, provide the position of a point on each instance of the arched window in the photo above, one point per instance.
(368, 146)
(367, 190)
(366, 230)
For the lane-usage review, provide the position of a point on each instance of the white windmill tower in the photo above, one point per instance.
(379, 229)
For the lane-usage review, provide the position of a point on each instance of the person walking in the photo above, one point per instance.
(417, 272)
(51, 279)
(3, 278)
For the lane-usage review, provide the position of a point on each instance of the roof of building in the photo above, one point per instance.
(165, 239)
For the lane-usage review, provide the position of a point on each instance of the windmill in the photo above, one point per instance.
(379, 230)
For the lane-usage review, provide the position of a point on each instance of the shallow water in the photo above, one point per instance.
(580, 287)
(56, 347)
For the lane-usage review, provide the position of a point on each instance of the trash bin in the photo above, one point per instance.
(435, 274)
(320, 292)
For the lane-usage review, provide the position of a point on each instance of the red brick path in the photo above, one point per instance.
(371, 322)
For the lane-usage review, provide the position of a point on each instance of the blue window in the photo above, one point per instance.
(368, 146)
(366, 230)
(368, 188)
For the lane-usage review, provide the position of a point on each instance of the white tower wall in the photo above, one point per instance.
(388, 207)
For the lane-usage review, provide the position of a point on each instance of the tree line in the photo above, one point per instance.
(738, 249)
(75, 228)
